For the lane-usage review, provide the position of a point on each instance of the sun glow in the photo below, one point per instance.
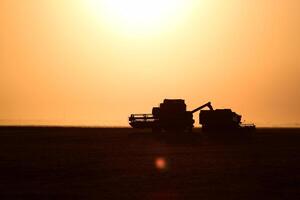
(139, 16)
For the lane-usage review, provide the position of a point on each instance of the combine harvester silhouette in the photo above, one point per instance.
(172, 115)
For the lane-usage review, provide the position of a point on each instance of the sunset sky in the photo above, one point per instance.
(89, 62)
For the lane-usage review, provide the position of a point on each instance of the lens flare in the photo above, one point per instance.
(161, 163)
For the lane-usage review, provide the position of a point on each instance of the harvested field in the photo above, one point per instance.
(122, 163)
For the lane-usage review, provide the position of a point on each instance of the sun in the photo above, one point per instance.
(139, 16)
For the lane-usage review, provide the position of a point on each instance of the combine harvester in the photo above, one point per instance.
(172, 115)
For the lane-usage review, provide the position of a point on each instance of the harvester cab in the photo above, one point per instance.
(172, 115)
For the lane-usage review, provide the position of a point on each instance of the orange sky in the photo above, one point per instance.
(74, 62)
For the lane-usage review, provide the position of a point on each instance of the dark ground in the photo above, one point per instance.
(77, 163)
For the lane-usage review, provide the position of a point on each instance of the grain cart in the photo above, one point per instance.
(222, 120)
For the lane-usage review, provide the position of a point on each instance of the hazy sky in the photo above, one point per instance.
(89, 62)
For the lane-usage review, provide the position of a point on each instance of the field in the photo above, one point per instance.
(121, 163)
